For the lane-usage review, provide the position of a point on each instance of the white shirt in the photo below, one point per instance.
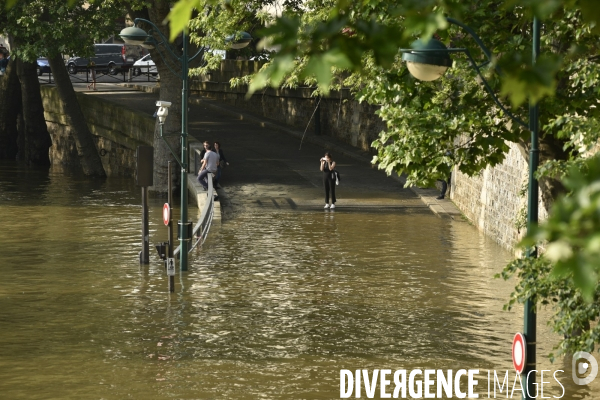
(211, 160)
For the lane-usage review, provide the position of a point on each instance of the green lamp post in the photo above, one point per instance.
(428, 61)
(135, 35)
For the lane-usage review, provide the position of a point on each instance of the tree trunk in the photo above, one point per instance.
(170, 90)
(36, 138)
(10, 108)
(86, 148)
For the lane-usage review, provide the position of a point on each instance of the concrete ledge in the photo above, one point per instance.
(444, 207)
(198, 195)
(142, 88)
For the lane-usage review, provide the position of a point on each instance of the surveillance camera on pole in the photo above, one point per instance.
(163, 110)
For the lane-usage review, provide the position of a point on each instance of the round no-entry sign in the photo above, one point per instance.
(166, 213)
(519, 352)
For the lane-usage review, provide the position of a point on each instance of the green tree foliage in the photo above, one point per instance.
(53, 27)
(571, 313)
(453, 121)
(566, 275)
(218, 21)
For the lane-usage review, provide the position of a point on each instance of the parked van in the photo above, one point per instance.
(112, 58)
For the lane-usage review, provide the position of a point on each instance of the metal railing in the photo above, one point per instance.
(206, 217)
(201, 229)
(45, 80)
(101, 74)
(149, 70)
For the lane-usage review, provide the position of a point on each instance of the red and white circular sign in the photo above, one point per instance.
(166, 213)
(519, 352)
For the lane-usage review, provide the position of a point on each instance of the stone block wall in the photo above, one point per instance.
(117, 132)
(492, 201)
(339, 115)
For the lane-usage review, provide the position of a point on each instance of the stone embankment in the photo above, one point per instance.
(490, 201)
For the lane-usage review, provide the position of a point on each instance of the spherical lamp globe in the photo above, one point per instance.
(428, 61)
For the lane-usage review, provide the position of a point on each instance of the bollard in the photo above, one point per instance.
(171, 273)
(318, 118)
(144, 178)
(161, 248)
(170, 228)
(170, 201)
(145, 254)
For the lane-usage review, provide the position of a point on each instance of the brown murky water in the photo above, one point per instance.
(273, 306)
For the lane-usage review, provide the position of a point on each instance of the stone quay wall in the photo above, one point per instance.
(117, 132)
(338, 115)
(492, 201)
(495, 201)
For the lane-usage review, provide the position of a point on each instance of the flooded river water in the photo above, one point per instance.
(273, 306)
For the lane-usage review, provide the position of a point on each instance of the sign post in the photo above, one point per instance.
(170, 201)
(144, 178)
(166, 214)
(519, 352)
(171, 273)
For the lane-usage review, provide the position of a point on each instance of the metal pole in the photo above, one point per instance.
(530, 317)
(145, 255)
(170, 225)
(170, 201)
(318, 117)
(183, 229)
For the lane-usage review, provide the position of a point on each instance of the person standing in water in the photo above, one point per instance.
(327, 167)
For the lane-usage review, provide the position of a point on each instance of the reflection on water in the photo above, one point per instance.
(274, 304)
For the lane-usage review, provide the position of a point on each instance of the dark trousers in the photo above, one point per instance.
(202, 178)
(329, 186)
(444, 187)
(218, 174)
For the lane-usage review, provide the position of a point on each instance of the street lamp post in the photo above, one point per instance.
(135, 35)
(428, 61)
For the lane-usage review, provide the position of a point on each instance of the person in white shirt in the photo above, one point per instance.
(210, 163)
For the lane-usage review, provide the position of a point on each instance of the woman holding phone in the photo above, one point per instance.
(327, 167)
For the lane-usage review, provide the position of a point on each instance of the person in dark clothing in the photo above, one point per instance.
(445, 184)
(327, 167)
(223, 161)
(3, 62)
(445, 170)
(444, 188)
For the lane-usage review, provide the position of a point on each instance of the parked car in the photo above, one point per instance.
(144, 65)
(43, 66)
(111, 58)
